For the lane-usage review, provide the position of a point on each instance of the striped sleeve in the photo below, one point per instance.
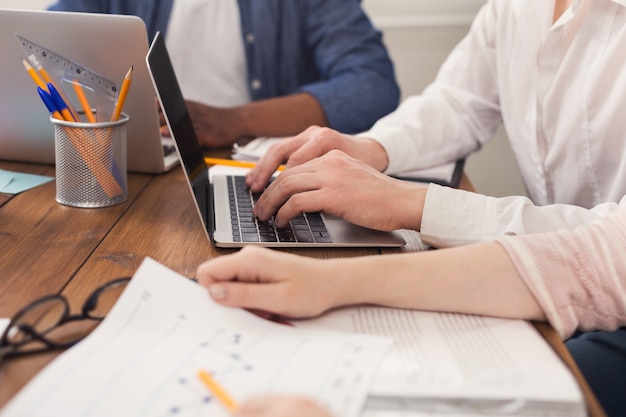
(578, 276)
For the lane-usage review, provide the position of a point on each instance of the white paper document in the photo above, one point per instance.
(449, 362)
(143, 359)
(253, 150)
(413, 241)
(3, 324)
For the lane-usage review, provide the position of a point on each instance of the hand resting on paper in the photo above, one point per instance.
(232, 280)
(472, 279)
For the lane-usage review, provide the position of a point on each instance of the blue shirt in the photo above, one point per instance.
(327, 48)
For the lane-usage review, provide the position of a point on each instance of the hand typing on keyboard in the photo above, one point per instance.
(304, 227)
(342, 186)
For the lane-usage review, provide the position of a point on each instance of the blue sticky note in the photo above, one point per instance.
(16, 182)
(5, 178)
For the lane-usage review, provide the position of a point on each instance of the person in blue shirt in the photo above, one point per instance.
(273, 67)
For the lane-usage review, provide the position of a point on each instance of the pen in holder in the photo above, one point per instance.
(90, 162)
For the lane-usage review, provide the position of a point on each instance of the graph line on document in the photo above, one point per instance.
(196, 395)
(223, 355)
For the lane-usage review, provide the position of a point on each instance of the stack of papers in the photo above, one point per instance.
(254, 149)
(358, 361)
(457, 364)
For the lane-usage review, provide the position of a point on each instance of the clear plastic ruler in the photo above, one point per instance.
(72, 79)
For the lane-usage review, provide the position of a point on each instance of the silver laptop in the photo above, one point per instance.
(106, 44)
(225, 203)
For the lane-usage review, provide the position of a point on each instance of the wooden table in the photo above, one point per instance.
(48, 248)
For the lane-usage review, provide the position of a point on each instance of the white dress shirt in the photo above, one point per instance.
(207, 51)
(559, 89)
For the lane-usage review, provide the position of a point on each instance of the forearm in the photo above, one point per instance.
(281, 116)
(578, 276)
(477, 279)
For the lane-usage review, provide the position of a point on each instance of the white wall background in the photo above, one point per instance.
(25, 4)
(394, 13)
(419, 35)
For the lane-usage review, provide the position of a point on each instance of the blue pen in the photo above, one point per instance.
(47, 100)
(60, 104)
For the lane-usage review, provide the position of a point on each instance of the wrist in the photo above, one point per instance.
(352, 280)
(241, 121)
(375, 155)
(409, 204)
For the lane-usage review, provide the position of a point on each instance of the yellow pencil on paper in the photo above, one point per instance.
(218, 392)
(234, 163)
(121, 98)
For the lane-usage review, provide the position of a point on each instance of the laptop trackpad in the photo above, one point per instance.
(344, 232)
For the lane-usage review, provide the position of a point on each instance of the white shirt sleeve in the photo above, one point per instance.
(455, 115)
(454, 217)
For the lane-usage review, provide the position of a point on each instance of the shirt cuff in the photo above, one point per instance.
(454, 217)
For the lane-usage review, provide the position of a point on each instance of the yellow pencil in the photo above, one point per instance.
(234, 163)
(80, 93)
(218, 392)
(48, 80)
(33, 74)
(44, 74)
(121, 98)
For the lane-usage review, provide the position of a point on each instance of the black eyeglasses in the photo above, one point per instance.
(46, 324)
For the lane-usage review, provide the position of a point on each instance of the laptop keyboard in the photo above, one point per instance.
(307, 227)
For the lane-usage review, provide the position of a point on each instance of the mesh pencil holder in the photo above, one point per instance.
(90, 162)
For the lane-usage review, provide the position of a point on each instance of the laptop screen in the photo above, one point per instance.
(180, 125)
(173, 106)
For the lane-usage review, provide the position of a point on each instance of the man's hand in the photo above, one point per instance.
(342, 186)
(215, 127)
(312, 143)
